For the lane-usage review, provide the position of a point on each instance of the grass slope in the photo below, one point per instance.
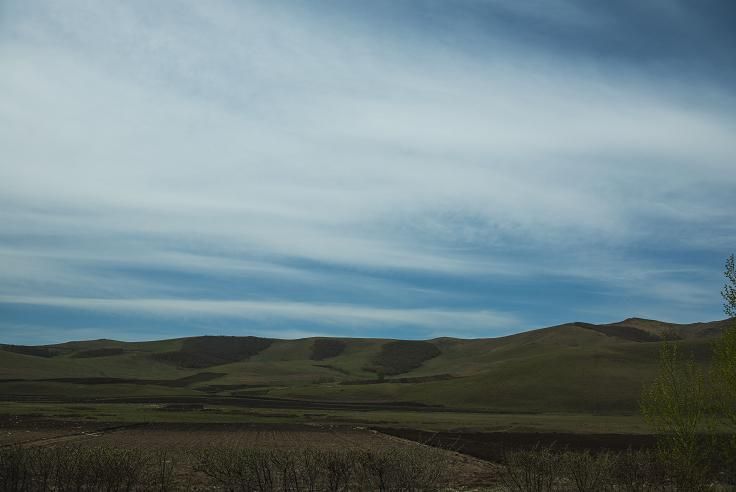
(576, 367)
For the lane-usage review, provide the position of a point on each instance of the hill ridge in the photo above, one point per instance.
(570, 367)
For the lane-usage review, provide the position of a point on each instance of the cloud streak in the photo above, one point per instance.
(328, 314)
(437, 161)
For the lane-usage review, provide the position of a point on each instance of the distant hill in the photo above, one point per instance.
(575, 367)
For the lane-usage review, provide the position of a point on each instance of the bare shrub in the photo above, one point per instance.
(72, 469)
(118, 469)
(14, 469)
(231, 469)
(638, 471)
(406, 469)
(335, 469)
(723, 458)
(423, 468)
(589, 472)
(533, 470)
(248, 470)
(287, 469)
(41, 469)
(161, 474)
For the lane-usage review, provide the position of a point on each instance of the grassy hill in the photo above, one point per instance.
(576, 367)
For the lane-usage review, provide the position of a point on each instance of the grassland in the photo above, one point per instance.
(576, 386)
(576, 376)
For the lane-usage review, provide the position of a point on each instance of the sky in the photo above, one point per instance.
(392, 168)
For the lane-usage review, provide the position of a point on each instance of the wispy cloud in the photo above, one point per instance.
(184, 152)
(329, 314)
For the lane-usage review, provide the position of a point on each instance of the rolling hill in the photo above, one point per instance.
(575, 367)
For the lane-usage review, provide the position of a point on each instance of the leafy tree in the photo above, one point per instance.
(679, 404)
(729, 289)
(724, 357)
(675, 406)
(724, 373)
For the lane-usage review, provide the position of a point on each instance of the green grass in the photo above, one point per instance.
(431, 421)
(568, 368)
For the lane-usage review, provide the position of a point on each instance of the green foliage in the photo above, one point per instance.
(678, 403)
(724, 360)
(729, 289)
(724, 376)
(675, 406)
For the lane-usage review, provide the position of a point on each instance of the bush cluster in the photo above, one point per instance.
(105, 469)
(74, 468)
(544, 469)
(311, 470)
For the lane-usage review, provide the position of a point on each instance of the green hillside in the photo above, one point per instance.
(576, 367)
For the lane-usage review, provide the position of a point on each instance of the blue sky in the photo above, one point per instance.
(406, 169)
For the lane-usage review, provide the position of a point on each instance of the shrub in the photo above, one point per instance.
(259, 470)
(74, 468)
(588, 472)
(638, 471)
(534, 470)
(675, 404)
(14, 469)
(161, 474)
(333, 470)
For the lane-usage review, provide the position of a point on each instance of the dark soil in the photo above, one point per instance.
(243, 401)
(491, 446)
(175, 383)
(417, 379)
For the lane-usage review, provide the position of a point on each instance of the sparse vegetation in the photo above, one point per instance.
(74, 468)
(44, 352)
(208, 351)
(327, 348)
(534, 470)
(588, 472)
(100, 352)
(637, 471)
(264, 470)
(402, 356)
(544, 469)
